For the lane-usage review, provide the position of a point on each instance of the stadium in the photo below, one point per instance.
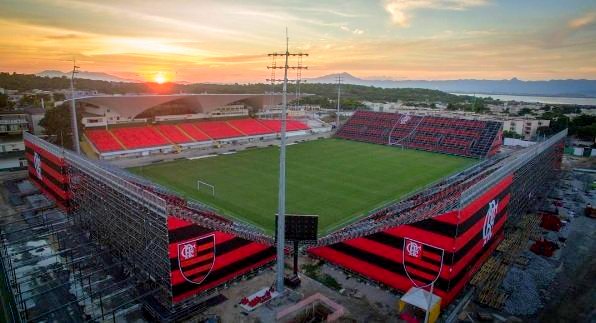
(402, 200)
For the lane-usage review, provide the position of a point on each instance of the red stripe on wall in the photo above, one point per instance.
(428, 237)
(201, 288)
(220, 237)
(390, 253)
(58, 176)
(449, 297)
(461, 240)
(55, 159)
(464, 261)
(485, 198)
(364, 268)
(226, 259)
(58, 191)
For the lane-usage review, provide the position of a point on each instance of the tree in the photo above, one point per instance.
(3, 100)
(56, 123)
(524, 111)
(512, 134)
(583, 126)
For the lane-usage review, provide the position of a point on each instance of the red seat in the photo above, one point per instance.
(103, 140)
(291, 125)
(250, 127)
(218, 129)
(139, 137)
(173, 134)
(195, 133)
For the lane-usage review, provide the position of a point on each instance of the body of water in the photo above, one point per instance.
(541, 99)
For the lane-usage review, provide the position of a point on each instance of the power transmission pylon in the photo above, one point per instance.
(73, 110)
(339, 80)
(281, 208)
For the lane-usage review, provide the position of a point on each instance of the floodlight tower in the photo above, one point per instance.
(339, 80)
(281, 207)
(73, 110)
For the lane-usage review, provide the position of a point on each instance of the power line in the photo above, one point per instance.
(73, 109)
(339, 79)
(282, 161)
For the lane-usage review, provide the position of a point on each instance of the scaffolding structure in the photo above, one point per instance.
(115, 227)
(107, 256)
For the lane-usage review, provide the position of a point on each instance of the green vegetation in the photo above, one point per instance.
(512, 134)
(56, 122)
(324, 94)
(582, 126)
(314, 271)
(335, 179)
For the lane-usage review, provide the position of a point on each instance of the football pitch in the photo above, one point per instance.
(336, 179)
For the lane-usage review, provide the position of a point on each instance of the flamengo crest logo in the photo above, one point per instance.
(196, 258)
(489, 221)
(412, 253)
(414, 249)
(37, 164)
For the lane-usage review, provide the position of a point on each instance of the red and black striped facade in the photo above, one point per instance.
(212, 258)
(210, 265)
(48, 172)
(467, 236)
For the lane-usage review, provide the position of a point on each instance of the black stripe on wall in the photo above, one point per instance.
(451, 230)
(228, 270)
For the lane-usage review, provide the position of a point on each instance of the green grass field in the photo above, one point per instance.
(333, 178)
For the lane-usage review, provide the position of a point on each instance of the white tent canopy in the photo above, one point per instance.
(420, 298)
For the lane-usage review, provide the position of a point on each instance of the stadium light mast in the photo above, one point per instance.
(339, 79)
(73, 110)
(281, 207)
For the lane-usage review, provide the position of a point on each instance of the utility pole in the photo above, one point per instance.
(73, 110)
(339, 80)
(281, 207)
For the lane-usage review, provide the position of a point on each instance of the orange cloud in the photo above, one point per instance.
(585, 20)
(400, 10)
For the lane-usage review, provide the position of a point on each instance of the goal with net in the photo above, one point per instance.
(202, 185)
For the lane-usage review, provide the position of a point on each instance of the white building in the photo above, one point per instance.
(524, 127)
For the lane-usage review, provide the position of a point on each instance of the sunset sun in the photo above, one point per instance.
(160, 78)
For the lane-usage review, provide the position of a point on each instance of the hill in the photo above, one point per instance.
(324, 94)
(84, 75)
(568, 88)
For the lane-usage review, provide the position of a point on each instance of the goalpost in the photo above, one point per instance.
(205, 186)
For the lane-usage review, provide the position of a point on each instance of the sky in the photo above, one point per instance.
(228, 41)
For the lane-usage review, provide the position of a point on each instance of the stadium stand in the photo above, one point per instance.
(250, 127)
(139, 137)
(470, 138)
(291, 125)
(193, 132)
(103, 140)
(148, 136)
(173, 133)
(218, 129)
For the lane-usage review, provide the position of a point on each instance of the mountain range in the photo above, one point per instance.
(514, 86)
(98, 76)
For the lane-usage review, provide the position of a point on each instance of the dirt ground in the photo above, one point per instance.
(358, 309)
(573, 294)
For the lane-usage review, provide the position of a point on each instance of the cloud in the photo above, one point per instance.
(582, 21)
(400, 10)
(355, 31)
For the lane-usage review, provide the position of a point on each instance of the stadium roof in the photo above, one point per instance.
(132, 105)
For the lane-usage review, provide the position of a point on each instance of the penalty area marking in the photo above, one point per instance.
(200, 157)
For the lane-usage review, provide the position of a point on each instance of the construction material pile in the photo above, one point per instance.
(523, 298)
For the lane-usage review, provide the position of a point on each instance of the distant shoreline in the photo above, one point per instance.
(514, 94)
(546, 99)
